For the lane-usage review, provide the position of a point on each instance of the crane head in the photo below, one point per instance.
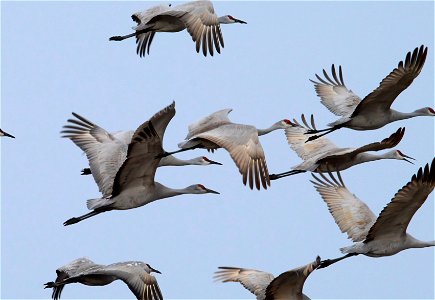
(425, 111)
(151, 269)
(228, 19)
(206, 161)
(3, 133)
(401, 156)
(200, 189)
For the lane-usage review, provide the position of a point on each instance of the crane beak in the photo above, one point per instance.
(239, 21)
(155, 271)
(211, 191)
(405, 158)
(7, 134)
(211, 162)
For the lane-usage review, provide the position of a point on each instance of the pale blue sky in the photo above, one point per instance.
(56, 58)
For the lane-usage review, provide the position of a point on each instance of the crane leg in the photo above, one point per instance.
(314, 137)
(123, 37)
(164, 154)
(327, 262)
(285, 174)
(85, 216)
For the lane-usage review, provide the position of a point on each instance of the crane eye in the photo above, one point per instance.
(201, 186)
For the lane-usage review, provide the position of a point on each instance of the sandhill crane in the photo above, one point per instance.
(198, 17)
(321, 155)
(241, 141)
(136, 274)
(382, 236)
(109, 150)
(3, 133)
(264, 286)
(132, 184)
(374, 110)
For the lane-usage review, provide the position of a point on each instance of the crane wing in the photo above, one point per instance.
(162, 118)
(395, 83)
(289, 285)
(253, 280)
(242, 142)
(334, 94)
(105, 152)
(395, 217)
(143, 285)
(144, 40)
(351, 214)
(140, 166)
(209, 122)
(202, 24)
(386, 143)
(65, 272)
(297, 139)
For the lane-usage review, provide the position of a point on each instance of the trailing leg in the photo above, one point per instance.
(327, 262)
(85, 216)
(285, 174)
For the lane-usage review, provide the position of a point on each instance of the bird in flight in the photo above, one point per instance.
(374, 111)
(132, 184)
(136, 274)
(198, 17)
(373, 236)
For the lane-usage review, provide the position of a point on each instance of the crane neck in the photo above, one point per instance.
(270, 129)
(412, 242)
(397, 115)
(163, 191)
(366, 157)
(173, 161)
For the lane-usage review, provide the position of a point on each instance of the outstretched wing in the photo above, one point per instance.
(146, 145)
(334, 94)
(105, 152)
(297, 139)
(253, 280)
(242, 142)
(386, 143)
(395, 217)
(144, 40)
(202, 24)
(143, 285)
(162, 118)
(395, 83)
(63, 273)
(289, 285)
(209, 122)
(351, 214)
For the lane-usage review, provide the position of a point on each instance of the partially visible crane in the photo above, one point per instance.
(104, 149)
(3, 133)
(265, 286)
